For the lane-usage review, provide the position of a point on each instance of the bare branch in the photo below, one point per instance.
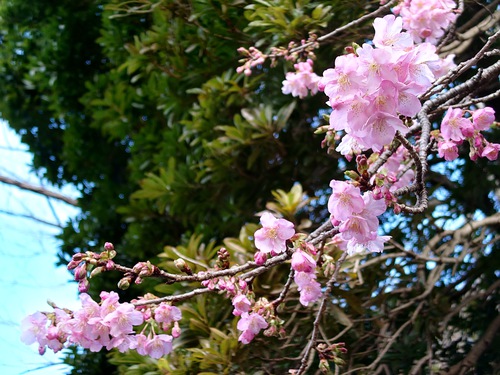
(39, 190)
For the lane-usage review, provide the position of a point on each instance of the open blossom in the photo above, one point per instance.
(345, 200)
(166, 313)
(273, 235)
(490, 151)
(302, 81)
(241, 304)
(483, 118)
(34, 328)
(158, 346)
(426, 20)
(251, 325)
(448, 150)
(453, 123)
(309, 288)
(122, 320)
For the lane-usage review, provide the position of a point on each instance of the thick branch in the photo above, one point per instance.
(38, 190)
(471, 359)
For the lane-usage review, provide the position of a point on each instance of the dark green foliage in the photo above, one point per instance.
(140, 106)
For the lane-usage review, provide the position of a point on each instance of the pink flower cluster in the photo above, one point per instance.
(305, 275)
(369, 90)
(109, 324)
(303, 80)
(426, 20)
(271, 238)
(356, 215)
(455, 128)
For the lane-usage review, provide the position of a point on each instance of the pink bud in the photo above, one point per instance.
(83, 286)
(176, 331)
(260, 258)
(109, 246)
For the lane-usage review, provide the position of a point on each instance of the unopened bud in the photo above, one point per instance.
(183, 266)
(110, 265)
(176, 331)
(353, 175)
(96, 271)
(109, 246)
(124, 283)
(81, 272)
(73, 264)
(83, 286)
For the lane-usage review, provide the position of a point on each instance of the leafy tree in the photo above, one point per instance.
(140, 105)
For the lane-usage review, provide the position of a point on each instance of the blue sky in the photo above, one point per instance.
(28, 275)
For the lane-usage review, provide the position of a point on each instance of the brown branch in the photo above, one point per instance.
(38, 190)
(480, 346)
(305, 363)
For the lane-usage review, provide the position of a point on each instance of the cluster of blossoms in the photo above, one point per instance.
(356, 216)
(302, 81)
(455, 128)
(370, 89)
(304, 266)
(426, 20)
(109, 324)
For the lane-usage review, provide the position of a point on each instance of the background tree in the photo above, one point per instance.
(139, 104)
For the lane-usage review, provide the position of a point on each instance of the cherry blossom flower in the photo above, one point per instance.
(158, 346)
(166, 313)
(241, 304)
(452, 125)
(447, 150)
(483, 118)
(302, 81)
(345, 200)
(309, 288)
(303, 262)
(122, 320)
(273, 235)
(251, 325)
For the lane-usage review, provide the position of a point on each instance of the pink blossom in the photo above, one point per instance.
(309, 288)
(452, 124)
(241, 304)
(483, 118)
(159, 346)
(447, 150)
(345, 200)
(122, 319)
(374, 245)
(302, 81)
(34, 328)
(250, 324)
(303, 262)
(426, 20)
(380, 130)
(388, 33)
(166, 313)
(490, 151)
(273, 235)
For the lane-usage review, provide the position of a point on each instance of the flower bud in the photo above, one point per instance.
(260, 258)
(80, 272)
(176, 331)
(73, 264)
(83, 286)
(124, 283)
(109, 246)
(183, 266)
(96, 271)
(110, 265)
